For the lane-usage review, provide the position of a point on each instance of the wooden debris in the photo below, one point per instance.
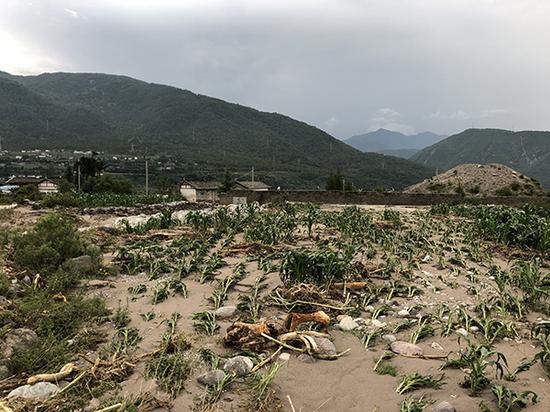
(294, 319)
(53, 377)
(249, 335)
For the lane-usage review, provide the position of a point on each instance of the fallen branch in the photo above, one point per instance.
(53, 377)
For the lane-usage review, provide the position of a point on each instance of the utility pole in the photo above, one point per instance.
(0, 143)
(146, 175)
(252, 175)
(79, 177)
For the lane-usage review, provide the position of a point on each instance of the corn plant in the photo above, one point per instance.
(509, 400)
(416, 381)
(415, 404)
(205, 322)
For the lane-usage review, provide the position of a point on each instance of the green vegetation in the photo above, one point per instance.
(116, 114)
(52, 241)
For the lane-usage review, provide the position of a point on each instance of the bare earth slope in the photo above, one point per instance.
(477, 179)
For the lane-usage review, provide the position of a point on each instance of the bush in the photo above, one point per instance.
(53, 240)
(107, 184)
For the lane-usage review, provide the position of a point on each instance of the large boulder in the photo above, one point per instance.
(17, 339)
(38, 391)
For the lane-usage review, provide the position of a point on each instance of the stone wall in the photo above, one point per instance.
(376, 198)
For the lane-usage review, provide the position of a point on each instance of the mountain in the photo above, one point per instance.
(527, 152)
(199, 134)
(393, 143)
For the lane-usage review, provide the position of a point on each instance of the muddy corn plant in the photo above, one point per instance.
(509, 400)
(416, 381)
(319, 267)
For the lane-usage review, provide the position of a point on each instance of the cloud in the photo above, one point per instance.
(390, 119)
(73, 13)
(310, 59)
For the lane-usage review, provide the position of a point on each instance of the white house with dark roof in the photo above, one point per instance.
(197, 191)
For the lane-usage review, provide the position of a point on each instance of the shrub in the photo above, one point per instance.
(107, 184)
(53, 240)
(504, 191)
(321, 267)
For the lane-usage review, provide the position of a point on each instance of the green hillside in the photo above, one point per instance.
(103, 112)
(527, 152)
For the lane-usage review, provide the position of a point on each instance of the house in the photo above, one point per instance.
(255, 186)
(196, 191)
(43, 185)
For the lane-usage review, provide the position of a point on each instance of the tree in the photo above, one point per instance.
(89, 166)
(227, 183)
(335, 181)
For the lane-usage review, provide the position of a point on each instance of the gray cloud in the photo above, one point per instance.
(440, 65)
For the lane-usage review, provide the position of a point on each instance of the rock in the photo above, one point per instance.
(436, 346)
(347, 323)
(474, 329)
(82, 263)
(39, 391)
(326, 347)
(19, 339)
(444, 407)
(98, 283)
(27, 280)
(403, 313)
(462, 332)
(360, 321)
(377, 324)
(306, 358)
(284, 357)
(406, 349)
(225, 312)
(239, 365)
(389, 338)
(93, 405)
(4, 372)
(369, 309)
(211, 378)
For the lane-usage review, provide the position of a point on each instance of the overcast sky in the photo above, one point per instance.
(345, 66)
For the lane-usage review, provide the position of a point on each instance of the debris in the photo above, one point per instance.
(294, 319)
(403, 313)
(53, 377)
(249, 335)
(462, 332)
(98, 283)
(436, 346)
(59, 297)
(39, 391)
(284, 357)
(350, 285)
(239, 365)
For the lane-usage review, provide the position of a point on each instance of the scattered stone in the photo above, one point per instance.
(20, 338)
(406, 349)
(93, 405)
(403, 313)
(474, 329)
(436, 346)
(39, 391)
(82, 263)
(462, 332)
(27, 280)
(369, 309)
(4, 372)
(389, 338)
(239, 365)
(284, 357)
(211, 378)
(444, 407)
(377, 324)
(225, 312)
(360, 321)
(306, 358)
(347, 323)
(326, 347)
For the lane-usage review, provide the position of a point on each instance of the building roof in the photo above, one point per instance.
(200, 185)
(249, 185)
(24, 180)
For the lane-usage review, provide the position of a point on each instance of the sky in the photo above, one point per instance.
(345, 66)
